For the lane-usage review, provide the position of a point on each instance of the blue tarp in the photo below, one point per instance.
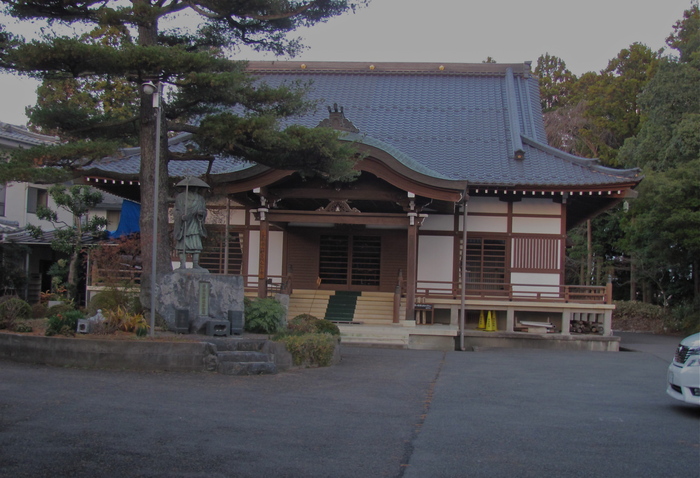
(128, 221)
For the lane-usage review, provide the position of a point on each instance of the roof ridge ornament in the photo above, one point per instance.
(337, 120)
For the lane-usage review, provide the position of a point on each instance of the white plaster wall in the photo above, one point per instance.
(253, 252)
(16, 203)
(435, 259)
(16, 207)
(487, 205)
(438, 223)
(537, 206)
(537, 225)
(275, 252)
(544, 284)
(486, 224)
(238, 217)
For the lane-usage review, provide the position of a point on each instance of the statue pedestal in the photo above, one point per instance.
(205, 297)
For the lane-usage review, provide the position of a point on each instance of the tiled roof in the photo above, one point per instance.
(12, 136)
(126, 164)
(450, 121)
(24, 237)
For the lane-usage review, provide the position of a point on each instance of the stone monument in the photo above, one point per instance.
(191, 300)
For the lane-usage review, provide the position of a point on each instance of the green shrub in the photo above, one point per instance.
(308, 324)
(61, 308)
(64, 323)
(302, 324)
(111, 299)
(23, 328)
(327, 327)
(39, 310)
(310, 349)
(639, 316)
(121, 319)
(13, 309)
(263, 316)
(685, 318)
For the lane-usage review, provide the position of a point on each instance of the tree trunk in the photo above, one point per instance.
(696, 280)
(147, 142)
(633, 278)
(589, 248)
(73, 275)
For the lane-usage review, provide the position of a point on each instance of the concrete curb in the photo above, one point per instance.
(143, 356)
(146, 356)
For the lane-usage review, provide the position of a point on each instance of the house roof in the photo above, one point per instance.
(12, 136)
(47, 237)
(460, 122)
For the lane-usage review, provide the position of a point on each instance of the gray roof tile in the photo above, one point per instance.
(452, 123)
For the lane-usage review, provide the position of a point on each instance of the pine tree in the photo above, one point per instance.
(199, 77)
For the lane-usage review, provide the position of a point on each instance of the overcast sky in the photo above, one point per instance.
(585, 34)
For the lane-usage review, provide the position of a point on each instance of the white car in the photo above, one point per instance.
(684, 371)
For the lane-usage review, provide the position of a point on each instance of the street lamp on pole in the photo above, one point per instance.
(155, 90)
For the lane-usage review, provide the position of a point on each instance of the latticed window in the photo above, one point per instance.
(213, 256)
(486, 263)
(350, 260)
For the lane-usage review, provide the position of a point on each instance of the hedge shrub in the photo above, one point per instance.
(311, 349)
(64, 323)
(12, 310)
(307, 324)
(111, 299)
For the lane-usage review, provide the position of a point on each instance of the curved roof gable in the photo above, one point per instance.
(463, 122)
(479, 123)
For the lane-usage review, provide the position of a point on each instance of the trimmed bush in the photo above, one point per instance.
(61, 308)
(308, 324)
(23, 328)
(13, 309)
(327, 327)
(264, 316)
(302, 324)
(111, 299)
(64, 323)
(311, 349)
(39, 310)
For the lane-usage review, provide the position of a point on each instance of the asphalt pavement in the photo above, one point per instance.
(379, 413)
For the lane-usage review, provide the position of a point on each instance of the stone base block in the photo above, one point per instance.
(220, 328)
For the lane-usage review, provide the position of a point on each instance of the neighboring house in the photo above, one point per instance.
(445, 144)
(18, 206)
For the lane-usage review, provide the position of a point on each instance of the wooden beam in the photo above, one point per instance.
(336, 218)
(332, 194)
(262, 258)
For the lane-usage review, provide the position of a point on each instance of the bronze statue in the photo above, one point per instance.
(190, 212)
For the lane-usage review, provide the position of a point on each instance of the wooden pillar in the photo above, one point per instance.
(411, 270)
(263, 255)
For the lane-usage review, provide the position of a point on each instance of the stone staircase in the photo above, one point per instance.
(371, 324)
(237, 356)
(370, 308)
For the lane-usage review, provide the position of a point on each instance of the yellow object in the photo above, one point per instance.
(491, 322)
(482, 322)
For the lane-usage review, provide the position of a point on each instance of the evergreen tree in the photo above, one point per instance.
(203, 86)
(78, 200)
(662, 227)
(555, 81)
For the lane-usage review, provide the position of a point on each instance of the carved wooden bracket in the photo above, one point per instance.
(338, 206)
